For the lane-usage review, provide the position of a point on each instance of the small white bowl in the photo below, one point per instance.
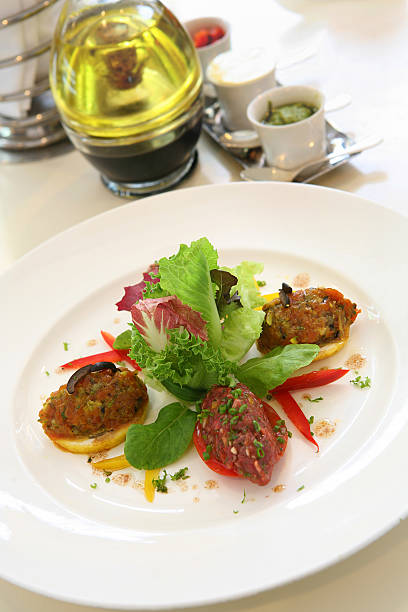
(207, 53)
(292, 145)
(238, 76)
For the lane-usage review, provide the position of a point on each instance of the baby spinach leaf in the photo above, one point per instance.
(264, 373)
(153, 446)
(123, 341)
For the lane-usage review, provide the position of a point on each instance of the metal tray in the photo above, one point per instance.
(337, 142)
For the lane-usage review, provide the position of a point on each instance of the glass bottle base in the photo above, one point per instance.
(131, 190)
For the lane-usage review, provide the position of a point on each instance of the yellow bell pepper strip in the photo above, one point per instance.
(111, 465)
(268, 298)
(149, 487)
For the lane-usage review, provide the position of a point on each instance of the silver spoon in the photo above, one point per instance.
(248, 139)
(271, 173)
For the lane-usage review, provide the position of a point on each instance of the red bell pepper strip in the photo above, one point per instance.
(278, 425)
(109, 339)
(213, 464)
(312, 379)
(83, 361)
(295, 414)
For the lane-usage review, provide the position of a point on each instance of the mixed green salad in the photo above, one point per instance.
(193, 323)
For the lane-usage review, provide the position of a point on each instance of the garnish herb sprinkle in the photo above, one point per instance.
(93, 485)
(261, 283)
(280, 440)
(256, 425)
(66, 345)
(46, 373)
(107, 479)
(316, 399)
(259, 448)
(235, 511)
(311, 420)
(301, 488)
(359, 382)
(180, 475)
(236, 393)
(160, 483)
(289, 434)
(222, 409)
(204, 414)
(243, 500)
(207, 453)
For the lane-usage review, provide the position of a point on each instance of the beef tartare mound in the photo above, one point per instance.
(238, 434)
(309, 316)
(98, 413)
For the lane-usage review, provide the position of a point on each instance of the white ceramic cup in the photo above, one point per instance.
(238, 76)
(292, 145)
(206, 54)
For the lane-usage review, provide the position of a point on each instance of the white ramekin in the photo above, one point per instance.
(238, 76)
(292, 145)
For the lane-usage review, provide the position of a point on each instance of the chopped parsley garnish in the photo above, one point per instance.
(93, 485)
(46, 372)
(66, 345)
(261, 283)
(180, 475)
(290, 434)
(280, 440)
(160, 483)
(236, 393)
(301, 488)
(107, 479)
(243, 500)
(235, 511)
(311, 420)
(222, 409)
(316, 399)
(359, 382)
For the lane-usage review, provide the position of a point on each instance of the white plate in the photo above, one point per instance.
(107, 546)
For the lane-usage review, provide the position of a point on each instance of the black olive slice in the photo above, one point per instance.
(92, 367)
(284, 294)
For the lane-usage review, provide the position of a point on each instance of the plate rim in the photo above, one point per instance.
(249, 591)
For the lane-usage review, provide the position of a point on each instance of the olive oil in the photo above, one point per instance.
(127, 82)
(119, 71)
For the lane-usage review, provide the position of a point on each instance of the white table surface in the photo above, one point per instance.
(361, 48)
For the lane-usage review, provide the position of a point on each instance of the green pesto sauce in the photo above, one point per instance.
(288, 113)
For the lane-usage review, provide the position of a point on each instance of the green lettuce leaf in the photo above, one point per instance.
(187, 275)
(246, 287)
(241, 328)
(262, 374)
(185, 360)
(148, 447)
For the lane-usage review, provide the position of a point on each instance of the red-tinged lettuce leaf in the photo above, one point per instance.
(152, 317)
(134, 293)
